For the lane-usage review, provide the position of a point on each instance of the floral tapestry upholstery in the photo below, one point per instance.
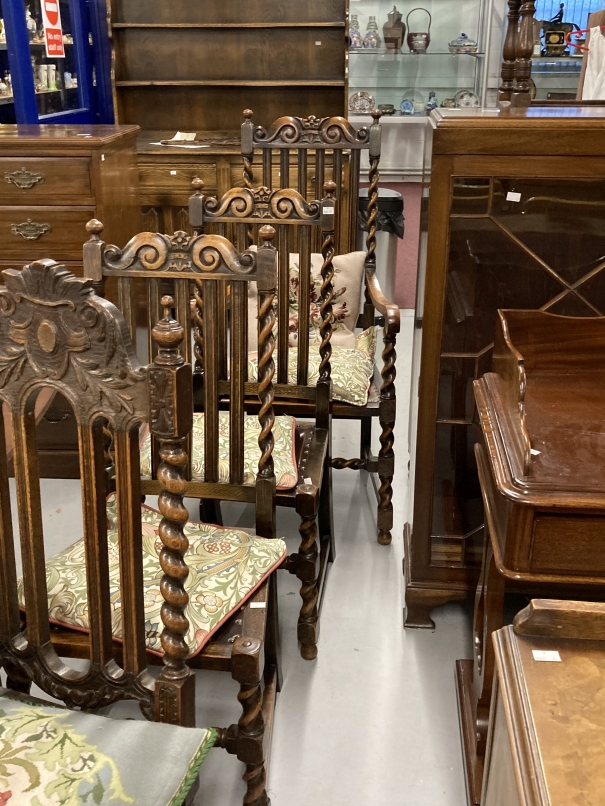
(284, 456)
(347, 286)
(352, 370)
(348, 276)
(225, 565)
(52, 756)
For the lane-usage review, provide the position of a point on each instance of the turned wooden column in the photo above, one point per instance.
(509, 53)
(525, 50)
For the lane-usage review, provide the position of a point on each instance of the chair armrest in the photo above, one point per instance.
(389, 310)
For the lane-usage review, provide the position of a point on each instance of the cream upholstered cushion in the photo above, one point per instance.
(56, 756)
(225, 566)
(284, 456)
(351, 369)
(347, 285)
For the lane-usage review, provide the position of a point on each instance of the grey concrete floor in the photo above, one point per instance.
(373, 721)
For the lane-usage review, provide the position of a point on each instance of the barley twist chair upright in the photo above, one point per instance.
(303, 153)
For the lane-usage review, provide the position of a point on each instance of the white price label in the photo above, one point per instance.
(548, 656)
(512, 196)
(318, 43)
(258, 605)
(329, 210)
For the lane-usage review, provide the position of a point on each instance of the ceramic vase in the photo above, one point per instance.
(393, 30)
(372, 39)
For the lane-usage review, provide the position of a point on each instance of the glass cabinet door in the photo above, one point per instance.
(50, 58)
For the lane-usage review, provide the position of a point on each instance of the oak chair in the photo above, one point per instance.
(242, 637)
(211, 264)
(295, 222)
(302, 153)
(55, 333)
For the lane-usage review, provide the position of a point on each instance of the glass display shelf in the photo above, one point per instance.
(556, 78)
(389, 74)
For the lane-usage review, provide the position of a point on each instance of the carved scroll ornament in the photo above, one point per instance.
(328, 131)
(178, 253)
(262, 203)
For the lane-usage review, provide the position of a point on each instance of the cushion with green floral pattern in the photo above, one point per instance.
(51, 755)
(351, 370)
(284, 456)
(226, 566)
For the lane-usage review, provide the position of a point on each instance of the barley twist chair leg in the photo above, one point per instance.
(386, 455)
(307, 571)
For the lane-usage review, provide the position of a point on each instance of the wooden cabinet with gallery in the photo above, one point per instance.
(514, 220)
(195, 67)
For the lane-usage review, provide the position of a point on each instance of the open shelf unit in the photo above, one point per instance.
(196, 66)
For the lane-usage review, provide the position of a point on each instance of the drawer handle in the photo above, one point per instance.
(24, 179)
(30, 230)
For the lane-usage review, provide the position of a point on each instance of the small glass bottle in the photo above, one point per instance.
(354, 34)
(372, 39)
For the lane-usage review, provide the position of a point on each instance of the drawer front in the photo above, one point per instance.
(237, 178)
(47, 180)
(170, 184)
(35, 232)
(568, 544)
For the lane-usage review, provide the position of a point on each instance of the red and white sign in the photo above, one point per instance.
(53, 33)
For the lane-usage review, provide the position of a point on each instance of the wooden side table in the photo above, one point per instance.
(542, 474)
(547, 721)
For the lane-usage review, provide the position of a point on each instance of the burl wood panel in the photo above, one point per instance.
(221, 54)
(220, 108)
(228, 11)
(573, 542)
(566, 702)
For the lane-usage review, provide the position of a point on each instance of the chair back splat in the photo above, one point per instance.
(55, 332)
(206, 268)
(296, 222)
(303, 153)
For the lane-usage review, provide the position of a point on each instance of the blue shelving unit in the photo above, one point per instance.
(86, 46)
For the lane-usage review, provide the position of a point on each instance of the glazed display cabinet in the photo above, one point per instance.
(46, 62)
(392, 74)
(515, 219)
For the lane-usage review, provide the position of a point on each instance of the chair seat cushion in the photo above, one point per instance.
(351, 370)
(55, 756)
(284, 455)
(225, 565)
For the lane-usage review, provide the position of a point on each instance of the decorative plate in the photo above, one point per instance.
(412, 103)
(465, 99)
(362, 102)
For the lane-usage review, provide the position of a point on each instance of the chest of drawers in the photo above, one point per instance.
(53, 179)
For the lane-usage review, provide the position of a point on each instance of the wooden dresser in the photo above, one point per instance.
(547, 721)
(53, 179)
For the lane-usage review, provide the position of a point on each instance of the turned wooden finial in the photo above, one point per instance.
(168, 335)
(196, 206)
(94, 228)
(267, 234)
(330, 188)
(248, 113)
